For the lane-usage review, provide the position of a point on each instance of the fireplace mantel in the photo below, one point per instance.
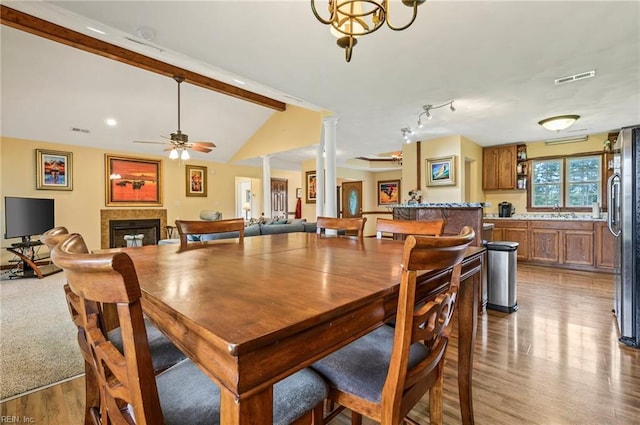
(132, 214)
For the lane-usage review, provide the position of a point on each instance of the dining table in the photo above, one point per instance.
(250, 313)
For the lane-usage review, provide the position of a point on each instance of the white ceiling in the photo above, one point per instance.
(498, 60)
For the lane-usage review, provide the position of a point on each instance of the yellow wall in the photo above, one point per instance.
(79, 210)
(283, 131)
(438, 148)
(539, 150)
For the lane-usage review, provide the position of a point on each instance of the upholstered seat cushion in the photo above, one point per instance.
(360, 368)
(188, 396)
(163, 353)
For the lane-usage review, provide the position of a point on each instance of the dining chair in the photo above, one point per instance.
(164, 354)
(130, 393)
(194, 230)
(383, 374)
(346, 224)
(409, 227)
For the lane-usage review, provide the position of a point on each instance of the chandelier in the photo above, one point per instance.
(350, 19)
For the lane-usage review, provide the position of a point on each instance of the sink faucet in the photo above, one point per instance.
(557, 208)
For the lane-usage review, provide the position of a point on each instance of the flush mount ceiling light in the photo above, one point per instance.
(350, 19)
(426, 111)
(558, 123)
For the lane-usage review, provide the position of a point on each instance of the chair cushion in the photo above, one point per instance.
(188, 396)
(361, 367)
(163, 353)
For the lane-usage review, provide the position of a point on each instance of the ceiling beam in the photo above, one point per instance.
(31, 24)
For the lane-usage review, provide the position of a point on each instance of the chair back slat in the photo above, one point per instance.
(125, 378)
(197, 227)
(347, 224)
(429, 323)
(409, 227)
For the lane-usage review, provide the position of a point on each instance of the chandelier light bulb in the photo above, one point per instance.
(185, 155)
(173, 154)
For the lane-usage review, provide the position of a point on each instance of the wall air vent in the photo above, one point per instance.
(80, 130)
(576, 77)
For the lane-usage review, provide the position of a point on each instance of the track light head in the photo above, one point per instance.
(451, 107)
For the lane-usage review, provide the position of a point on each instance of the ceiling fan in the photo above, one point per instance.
(179, 141)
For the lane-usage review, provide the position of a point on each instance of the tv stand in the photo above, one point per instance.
(27, 262)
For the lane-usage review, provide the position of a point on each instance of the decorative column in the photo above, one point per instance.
(320, 177)
(330, 127)
(266, 185)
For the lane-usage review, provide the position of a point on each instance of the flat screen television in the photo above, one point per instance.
(25, 217)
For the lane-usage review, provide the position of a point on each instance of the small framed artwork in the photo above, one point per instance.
(196, 180)
(311, 186)
(133, 181)
(388, 192)
(298, 192)
(54, 170)
(441, 171)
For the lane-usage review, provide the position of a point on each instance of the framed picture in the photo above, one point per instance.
(298, 192)
(388, 192)
(441, 171)
(133, 181)
(54, 170)
(311, 186)
(196, 180)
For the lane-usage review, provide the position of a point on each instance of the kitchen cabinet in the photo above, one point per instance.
(604, 246)
(512, 231)
(499, 167)
(575, 244)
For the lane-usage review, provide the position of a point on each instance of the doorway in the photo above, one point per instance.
(351, 199)
(279, 201)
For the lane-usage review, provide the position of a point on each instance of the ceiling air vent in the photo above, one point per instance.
(79, 130)
(576, 77)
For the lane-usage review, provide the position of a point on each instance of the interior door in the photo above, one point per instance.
(279, 198)
(351, 199)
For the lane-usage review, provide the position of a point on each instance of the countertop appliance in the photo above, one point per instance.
(623, 219)
(505, 209)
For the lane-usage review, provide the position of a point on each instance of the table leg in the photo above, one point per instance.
(256, 409)
(467, 321)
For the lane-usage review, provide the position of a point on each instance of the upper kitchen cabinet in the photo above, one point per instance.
(499, 167)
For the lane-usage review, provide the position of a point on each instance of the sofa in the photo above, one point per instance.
(255, 227)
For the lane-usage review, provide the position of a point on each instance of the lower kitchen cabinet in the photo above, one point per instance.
(576, 244)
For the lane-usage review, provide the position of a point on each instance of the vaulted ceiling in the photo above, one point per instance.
(498, 60)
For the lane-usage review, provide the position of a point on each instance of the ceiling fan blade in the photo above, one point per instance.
(155, 143)
(200, 149)
(207, 144)
(169, 148)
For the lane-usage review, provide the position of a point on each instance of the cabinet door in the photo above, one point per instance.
(498, 234)
(605, 243)
(490, 163)
(520, 236)
(577, 247)
(507, 167)
(545, 245)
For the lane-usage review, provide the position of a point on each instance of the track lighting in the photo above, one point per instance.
(426, 111)
(406, 133)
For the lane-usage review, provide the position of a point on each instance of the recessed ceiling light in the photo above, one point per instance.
(111, 122)
(96, 30)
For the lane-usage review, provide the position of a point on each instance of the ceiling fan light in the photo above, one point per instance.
(184, 155)
(173, 154)
(558, 123)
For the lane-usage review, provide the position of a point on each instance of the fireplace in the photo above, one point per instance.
(118, 229)
(152, 223)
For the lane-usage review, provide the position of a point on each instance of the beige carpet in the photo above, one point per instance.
(37, 338)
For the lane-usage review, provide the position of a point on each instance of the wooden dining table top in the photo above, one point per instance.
(252, 313)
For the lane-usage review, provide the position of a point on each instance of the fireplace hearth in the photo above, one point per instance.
(118, 229)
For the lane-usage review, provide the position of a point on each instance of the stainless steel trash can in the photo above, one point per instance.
(502, 288)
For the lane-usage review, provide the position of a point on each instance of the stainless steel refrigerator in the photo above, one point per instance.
(624, 221)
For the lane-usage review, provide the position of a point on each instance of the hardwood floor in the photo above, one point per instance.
(555, 361)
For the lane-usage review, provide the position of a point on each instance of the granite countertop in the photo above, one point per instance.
(561, 216)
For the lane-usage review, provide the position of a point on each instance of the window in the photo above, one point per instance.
(571, 182)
